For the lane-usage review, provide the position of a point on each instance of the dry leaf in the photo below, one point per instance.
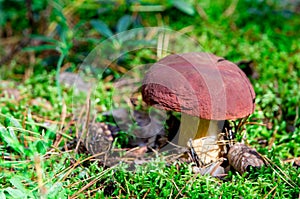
(206, 149)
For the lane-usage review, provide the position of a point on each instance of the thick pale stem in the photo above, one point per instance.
(194, 128)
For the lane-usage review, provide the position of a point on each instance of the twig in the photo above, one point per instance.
(266, 196)
(146, 193)
(75, 195)
(230, 10)
(291, 183)
(175, 185)
(292, 160)
(83, 188)
(86, 125)
(272, 139)
(201, 12)
(80, 162)
(63, 118)
(37, 164)
(193, 179)
(178, 146)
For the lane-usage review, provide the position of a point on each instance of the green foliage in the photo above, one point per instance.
(64, 32)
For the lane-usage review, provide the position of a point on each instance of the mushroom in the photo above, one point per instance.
(205, 88)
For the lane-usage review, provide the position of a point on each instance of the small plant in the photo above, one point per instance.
(42, 39)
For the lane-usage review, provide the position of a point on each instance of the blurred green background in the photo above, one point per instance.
(41, 38)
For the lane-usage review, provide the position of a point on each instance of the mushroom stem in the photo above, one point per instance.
(194, 128)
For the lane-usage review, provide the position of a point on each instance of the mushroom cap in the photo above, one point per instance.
(199, 84)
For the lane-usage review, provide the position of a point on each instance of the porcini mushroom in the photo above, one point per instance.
(205, 88)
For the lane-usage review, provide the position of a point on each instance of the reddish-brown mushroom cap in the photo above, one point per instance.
(199, 84)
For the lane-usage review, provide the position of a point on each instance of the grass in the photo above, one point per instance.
(32, 166)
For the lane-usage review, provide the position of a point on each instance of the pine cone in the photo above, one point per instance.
(241, 157)
(98, 139)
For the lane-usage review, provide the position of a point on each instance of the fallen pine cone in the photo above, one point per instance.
(98, 138)
(241, 157)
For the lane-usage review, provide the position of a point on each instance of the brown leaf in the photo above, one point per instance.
(206, 149)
